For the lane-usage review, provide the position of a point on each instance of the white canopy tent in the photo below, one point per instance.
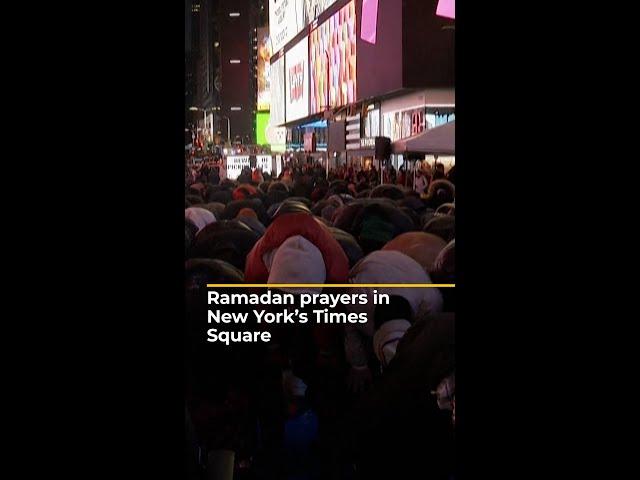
(439, 140)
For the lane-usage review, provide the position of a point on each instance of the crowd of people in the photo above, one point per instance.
(353, 401)
(357, 179)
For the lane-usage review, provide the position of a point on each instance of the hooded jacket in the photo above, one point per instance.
(303, 224)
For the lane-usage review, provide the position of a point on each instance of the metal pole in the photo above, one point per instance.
(212, 126)
(228, 130)
(204, 126)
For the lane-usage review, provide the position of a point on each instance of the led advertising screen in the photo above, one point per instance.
(276, 72)
(264, 79)
(267, 134)
(262, 120)
(287, 18)
(447, 9)
(380, 41)
(332, 58)
(297, 80)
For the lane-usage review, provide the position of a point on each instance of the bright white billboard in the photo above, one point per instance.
(276, 72)
(287, 18)
(297, 81)
(264, 77)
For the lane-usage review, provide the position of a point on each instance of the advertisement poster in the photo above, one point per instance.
(314, 8)
(276, 71)
(369, 25)
(297, 80)
(287, 18)
(285, 21)
(264, 77)
(333, 61)
(262, 120)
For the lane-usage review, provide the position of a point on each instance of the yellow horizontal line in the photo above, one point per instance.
(331, 285)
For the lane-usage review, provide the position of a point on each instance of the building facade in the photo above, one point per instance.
(237, 99)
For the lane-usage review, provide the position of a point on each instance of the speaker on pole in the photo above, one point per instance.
(383, 148)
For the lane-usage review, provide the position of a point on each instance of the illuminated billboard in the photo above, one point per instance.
(276, 72)
(447, 9)
(369, 21)
(287, 18)
(264, 79)
(262, 120)
(297, 81)
(267, 134)
(333, 60)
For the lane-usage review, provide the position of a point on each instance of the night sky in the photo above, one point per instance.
(187, 25)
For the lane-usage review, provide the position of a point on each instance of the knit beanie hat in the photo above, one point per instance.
(297, 260)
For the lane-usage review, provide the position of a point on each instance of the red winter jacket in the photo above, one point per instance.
(305, 225)
(335, 260)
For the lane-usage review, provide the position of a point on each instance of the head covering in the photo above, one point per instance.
(201, 217)
(247, 212)
(422, 247)
(293, 386)
(297, 260)
(388, 266)
(386, 338)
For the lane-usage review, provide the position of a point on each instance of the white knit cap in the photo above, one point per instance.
(388, 266)
(293, 386)
(386, 338)
(201, 217)
(297, 260)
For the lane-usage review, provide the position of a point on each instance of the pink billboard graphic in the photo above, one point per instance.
(446, 8)
(369, 24)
